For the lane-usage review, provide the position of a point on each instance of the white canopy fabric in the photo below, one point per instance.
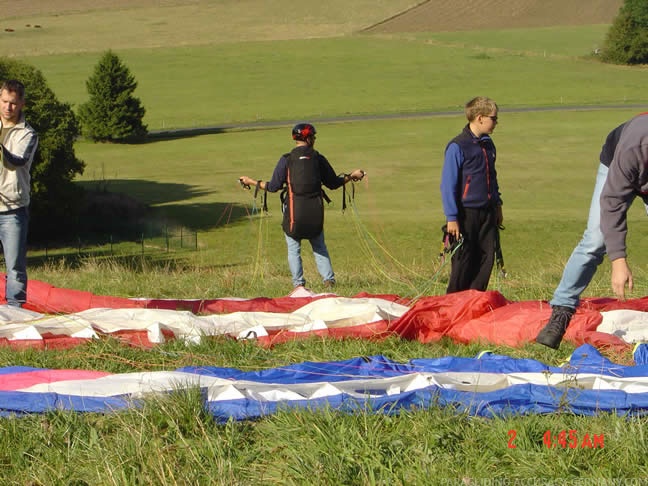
(326, 313)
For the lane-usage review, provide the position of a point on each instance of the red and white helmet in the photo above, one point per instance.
(302, 131)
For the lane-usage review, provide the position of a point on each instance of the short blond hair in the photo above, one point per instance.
(481, 105)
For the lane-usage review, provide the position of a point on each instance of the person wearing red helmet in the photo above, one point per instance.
(301, 174)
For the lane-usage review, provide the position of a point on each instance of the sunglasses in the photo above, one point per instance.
(493, 117)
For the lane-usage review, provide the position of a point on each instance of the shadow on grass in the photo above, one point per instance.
(175, 134)
(145, 191)
(154, 136)
(172, 134)
(134, 262)
(115, 222)
(196, 217)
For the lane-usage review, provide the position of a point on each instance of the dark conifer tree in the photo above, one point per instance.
(112, 113)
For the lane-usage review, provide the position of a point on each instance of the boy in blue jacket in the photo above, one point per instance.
(471, 197)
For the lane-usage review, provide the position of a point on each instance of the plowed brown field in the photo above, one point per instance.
(453, 15)
(430, 15)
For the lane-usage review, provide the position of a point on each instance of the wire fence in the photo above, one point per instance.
(109, 245)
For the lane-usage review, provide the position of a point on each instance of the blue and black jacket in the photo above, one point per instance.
(469, 178)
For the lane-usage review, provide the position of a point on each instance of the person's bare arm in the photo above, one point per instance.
(621, 275)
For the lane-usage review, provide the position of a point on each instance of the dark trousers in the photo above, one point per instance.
(473, 262)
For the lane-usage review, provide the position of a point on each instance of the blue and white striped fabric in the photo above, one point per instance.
(488, 385)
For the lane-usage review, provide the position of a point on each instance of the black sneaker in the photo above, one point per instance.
(553, 332)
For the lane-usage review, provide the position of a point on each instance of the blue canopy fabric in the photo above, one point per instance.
(489, 385)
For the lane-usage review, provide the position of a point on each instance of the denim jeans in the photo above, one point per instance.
(322, 259)
(13, 235)
(587, 255)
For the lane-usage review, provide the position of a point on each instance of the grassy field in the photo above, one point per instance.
(255, 81)
(546, 183)
(68, 26)
(191, 75)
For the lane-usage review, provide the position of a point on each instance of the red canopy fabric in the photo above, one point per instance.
(469, 316)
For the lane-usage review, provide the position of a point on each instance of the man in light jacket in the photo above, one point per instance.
(18, 143)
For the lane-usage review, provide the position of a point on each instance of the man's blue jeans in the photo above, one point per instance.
(13, 235)
(587, 255)
(322, 259)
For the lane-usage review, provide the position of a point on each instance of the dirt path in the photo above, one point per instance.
(185, 132)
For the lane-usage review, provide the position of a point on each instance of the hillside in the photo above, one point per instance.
(430, 15)
(454, 15)
(43, 27)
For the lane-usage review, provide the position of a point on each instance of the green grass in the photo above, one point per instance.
(173, 441)
(546, 183)
(554, 42)
(546, 163)
(317, 78)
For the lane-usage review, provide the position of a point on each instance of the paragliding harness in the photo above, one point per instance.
(450, 244)
(283, 195)
(264, 206)
(256, 193)
(499, 256)
(344, 193)
(302, 198)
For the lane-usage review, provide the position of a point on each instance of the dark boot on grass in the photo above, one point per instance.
(553, 332)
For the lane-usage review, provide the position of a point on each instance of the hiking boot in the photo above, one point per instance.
(553, 332)
(329, 284)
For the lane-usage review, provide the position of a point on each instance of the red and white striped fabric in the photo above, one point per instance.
(58, 318)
